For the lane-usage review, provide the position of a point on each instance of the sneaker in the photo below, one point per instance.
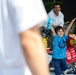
(66, 71)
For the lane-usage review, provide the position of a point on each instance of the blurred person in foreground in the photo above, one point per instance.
(20, 40)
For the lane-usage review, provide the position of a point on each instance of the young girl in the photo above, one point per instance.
(59, 48)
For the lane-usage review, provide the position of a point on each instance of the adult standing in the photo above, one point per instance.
(20, 40)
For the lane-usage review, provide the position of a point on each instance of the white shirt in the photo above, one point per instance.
(16, 16)
(56, 20)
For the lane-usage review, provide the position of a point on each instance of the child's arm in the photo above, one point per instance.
(69, 26)
(53, 31)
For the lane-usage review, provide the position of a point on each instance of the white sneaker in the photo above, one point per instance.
(66, 71)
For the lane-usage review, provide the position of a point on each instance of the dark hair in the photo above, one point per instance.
(57, 28)
(56, 4)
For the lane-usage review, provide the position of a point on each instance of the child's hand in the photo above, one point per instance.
(73, 19)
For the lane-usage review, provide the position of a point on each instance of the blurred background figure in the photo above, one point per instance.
(56, 15)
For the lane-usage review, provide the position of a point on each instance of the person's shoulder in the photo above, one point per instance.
(61, 14)
(55, 36)
(65, 36)
(51, 13)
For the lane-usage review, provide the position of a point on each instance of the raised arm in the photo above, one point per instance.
(69, 26)
(53, 31)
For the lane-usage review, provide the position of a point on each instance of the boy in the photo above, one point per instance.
(59, 48)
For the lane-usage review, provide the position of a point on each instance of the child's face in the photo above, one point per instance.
(60, 33)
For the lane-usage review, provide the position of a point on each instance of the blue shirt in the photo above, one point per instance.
(59, 46)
